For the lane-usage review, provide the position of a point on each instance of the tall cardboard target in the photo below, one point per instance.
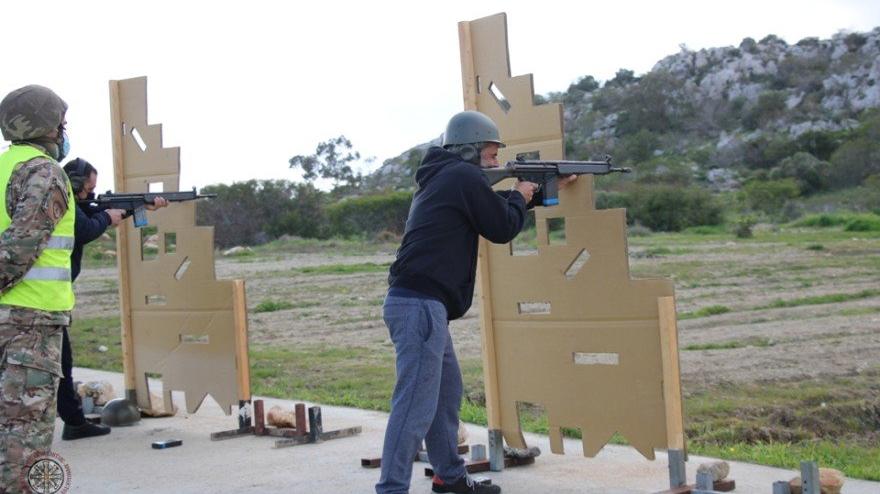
(178, 321)
(567, 328)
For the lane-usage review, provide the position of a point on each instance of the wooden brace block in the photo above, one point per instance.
(724, 485)
(483, 465)
(371, 462)
(259, 418)
(219, 436)
(300, 412)
(282, 432)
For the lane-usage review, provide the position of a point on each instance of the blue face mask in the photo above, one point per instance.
(63, 146)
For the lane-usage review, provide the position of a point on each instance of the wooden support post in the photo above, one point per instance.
(671, 374)
(259, 418)
(490, 367)
(117, 134)
(242, 365)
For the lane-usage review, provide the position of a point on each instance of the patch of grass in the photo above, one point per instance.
(727, 345)
(358, 377)
(366, 267)
(859, 311)
(272, 306)
(711, 310)
(782, 423)
(706, 230)
(349, 320)
(815, 247)
(855, 461)
(831, 298)
(87, 335)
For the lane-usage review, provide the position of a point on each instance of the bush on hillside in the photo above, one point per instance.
(863, 223)
(243, 212)
(854, 161)
(672, 208)
(370, 215)
(810, 173)
(769, 196)
(770, 106)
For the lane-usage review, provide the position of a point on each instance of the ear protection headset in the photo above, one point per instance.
(470, 153)
(76, 172)
(467, 152)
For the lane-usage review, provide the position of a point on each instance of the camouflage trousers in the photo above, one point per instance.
(30, 367)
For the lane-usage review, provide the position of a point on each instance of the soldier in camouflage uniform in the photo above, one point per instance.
(35, 297)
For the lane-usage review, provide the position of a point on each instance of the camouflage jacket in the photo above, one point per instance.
(36, 199)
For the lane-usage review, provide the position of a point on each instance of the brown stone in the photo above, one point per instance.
(718, 469)
(830, 482)
(279, 417)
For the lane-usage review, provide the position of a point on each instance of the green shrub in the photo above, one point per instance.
(638, 231)
(370, 215)
(854, 161)
(770, 105)
(822, 220)
(743, 225)
(636, 147)
(810, 173)
(670, 208)
(764, 152)
(771, 195)
(611, 200)
(863, 223)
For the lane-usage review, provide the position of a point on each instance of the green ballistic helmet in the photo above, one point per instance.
(470, 127)
(30, 112)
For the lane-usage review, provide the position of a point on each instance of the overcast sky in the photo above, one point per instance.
(242, 86)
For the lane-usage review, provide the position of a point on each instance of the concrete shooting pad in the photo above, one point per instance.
(123, 461)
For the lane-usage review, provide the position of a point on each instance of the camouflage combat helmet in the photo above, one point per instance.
(470, 127)
(30, 112)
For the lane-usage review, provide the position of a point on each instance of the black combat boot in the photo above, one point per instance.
(87, 429)
(464, 485)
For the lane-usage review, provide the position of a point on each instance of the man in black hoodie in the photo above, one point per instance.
(431, 283)
(89, 225)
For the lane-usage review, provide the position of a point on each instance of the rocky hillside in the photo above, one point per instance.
(722, 116)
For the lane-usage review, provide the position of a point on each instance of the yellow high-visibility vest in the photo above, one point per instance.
(47, 285)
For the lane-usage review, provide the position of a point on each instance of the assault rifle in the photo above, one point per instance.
(546, 173)
(134, 204)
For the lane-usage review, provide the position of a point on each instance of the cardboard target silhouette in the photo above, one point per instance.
(568, 328)
(178, 320)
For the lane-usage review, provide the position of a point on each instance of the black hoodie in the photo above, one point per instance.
(452, 207)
